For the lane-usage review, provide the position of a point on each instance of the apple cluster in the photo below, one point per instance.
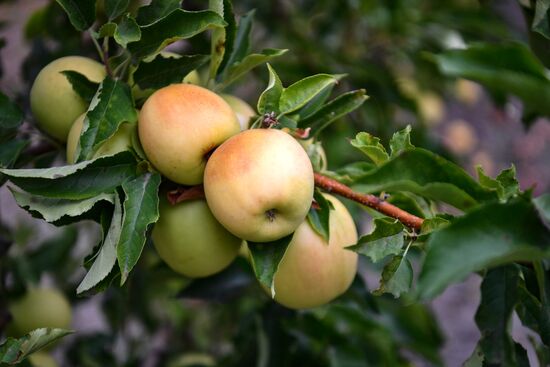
(258, 183)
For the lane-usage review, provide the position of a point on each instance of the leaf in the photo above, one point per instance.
(156, 10)
(396, 277)
(300, 93)
(11, 116)
(141, 209)
(107, 30)
(112, 105)
(84, 87)
(221, 41)
(106, 258)
(542, 204)
(238, 45)
(269, 99)
(239, 69)
(509, 183)
(10, 151)
(79, 181)
(114, 8)
(56, 210)
(53, 252)
(13, 351)
(424, 173)
(179, 24)
(318, 218)
(333, 110)
(499, 295)
(265, 258)
(386, 239)
(488, 236)
(400, 141)
(81, 12)
(371, 146)
(163, 71)
(127, 31)
(541, 23)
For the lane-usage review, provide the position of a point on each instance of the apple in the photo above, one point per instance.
(180, 125)
(42, 359)
(313, 272)
(242, 109)
(40, 308)
(119, 142)
(259, 184)
(54, 103)
(191, 241)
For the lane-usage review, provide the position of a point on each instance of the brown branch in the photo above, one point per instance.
(371, 201)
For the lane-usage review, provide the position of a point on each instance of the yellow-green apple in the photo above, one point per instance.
(40, 308)
(313, 272)
(119, 142)
(42, 359)
(259, 184)
(180, 125)
(191, 241)
(242, 109)
(54, 103)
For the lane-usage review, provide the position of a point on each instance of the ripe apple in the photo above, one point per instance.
(119, 142)
(242, 109)
(259, 184)
(42, 359)
(191, 241)
(39, 308)
(312, 271)
(180, 125)
(54, 103)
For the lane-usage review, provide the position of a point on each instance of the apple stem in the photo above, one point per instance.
(372, 201)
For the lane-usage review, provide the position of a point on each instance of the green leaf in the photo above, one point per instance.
(112, 105)
(488, 236)
(265, 257)
(221, 41)
(56, 211)
(79, 181)
(386, 239)
(541, 22)
(371, 146)
(10, 151)
(318, 218)
(141, 209)
(397, 277)
(333, 110)
(81, 12)
(179, 24)
(127, 31)
(542, 204)
(476, 359)
(269, 99)
(163, 71)
(505, 184)
(114, 8)
(499, 295)
(239, 69)
(13, 351)
(424, 173)
(84, 87)
(238, 45)
(300, 93)
(107, 30)
(156, 10)
(11, 115)
(106, 258)
(400, 141)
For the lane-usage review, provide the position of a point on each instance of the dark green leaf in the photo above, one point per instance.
(179, 24)
(11, 116)
(79, 181)
(81, 12)
(318, 218)
(509, 183)
(491, 235)
(112, 105)
(10, 151)
(163, 71)
(269, 99)
(53, 252)
(141, 209)
(84, 87)
(542, 203)
(300, 93)
(265, 257)
(397, 277)
(114, 8)
(107, 30)
(156, 10)
(541, 20)
(127, 31)
(315, 104)
(386, 239)
(238, 45)
(401, 141)
(371, 146)
(13, 351)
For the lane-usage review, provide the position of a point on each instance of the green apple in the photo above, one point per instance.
(180, 125)
(191, 241)
(119, 142)
(42, 359)
(40, 308)
(259, 184)
(312, 271)
(242, 109)
(54, 103)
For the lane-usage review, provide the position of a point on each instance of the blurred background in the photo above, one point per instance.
(386, 47)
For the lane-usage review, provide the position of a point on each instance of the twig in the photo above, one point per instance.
(371, 201)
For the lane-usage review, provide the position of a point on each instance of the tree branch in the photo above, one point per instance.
(371, 201)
